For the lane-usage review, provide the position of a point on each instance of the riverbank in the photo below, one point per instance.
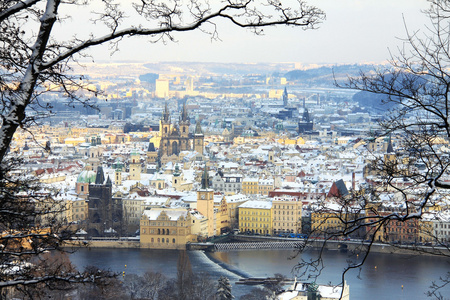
(242, 240)
(351, 246)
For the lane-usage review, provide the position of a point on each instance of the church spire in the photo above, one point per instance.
(100, 177)
(184, 115)
(205, 179)
(285, 97)
(198, 128)
(166, 115)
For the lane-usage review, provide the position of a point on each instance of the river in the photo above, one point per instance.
(382, 276)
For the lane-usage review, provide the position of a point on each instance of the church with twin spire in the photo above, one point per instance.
(175, 137)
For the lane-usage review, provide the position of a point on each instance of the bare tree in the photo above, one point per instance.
(407, 180)
(153, 285)
(35, 57)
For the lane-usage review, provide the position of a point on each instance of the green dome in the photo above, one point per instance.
(135, 152)
(118, 165)
(86, 177)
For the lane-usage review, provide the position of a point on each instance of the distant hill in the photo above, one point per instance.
(373, 102)
(406, 82)
(149, 77)
(327, 75)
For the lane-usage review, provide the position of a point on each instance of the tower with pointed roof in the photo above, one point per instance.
(389, 155)
(184, 122)
(199, 138)
(306, 124)
(285, 97)
(152, 154)
(104, 212)
(165, 122)
(100, 177)
(205, 202)
(176, 178)
(135, 165)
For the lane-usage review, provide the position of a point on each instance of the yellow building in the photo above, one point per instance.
(233, 203)
(426, 231)
(52, 178)
(325, 222)
(79, 210)
(329, 221)
(287, 215)
(250, 186)
(162, 88)
(254, 186)
(287, 141)
(223, 223)
(256, 217)
(166, 229)
(74, 141)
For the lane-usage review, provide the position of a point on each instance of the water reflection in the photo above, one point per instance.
(382, 276)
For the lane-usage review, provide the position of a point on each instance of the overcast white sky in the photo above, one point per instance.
(355, 31)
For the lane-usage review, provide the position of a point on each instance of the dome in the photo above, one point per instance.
(86, 177)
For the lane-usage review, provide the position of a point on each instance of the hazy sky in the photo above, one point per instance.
(354, 32)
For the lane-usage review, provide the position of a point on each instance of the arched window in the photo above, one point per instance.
(158, 240)
(153, 240)
(163, 240)
(163, 232)
(82, 188)
(173, 241)
(175, 148)
(159, 231)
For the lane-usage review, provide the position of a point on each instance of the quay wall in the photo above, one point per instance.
(351, 245)
(106, 244)
(312, 244)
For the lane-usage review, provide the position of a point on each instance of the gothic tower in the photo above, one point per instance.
(285, 98)
(184, 123)
(152, 154)
(205, 202)
(165, 122)
(199, 139)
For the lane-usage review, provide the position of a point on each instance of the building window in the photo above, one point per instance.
(173, 241)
